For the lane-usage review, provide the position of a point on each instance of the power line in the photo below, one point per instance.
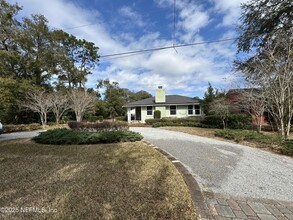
(85, 25)
(174, 23)
(122, 56)
(165, 48)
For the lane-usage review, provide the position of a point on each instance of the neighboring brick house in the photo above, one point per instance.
(236, 99)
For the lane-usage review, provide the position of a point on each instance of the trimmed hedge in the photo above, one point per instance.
(157, 114)
(212, 121)
(121, 118)
(239, 121)
(173, 121)
(22, 127)
(99, 126)
(170, 123)
(235, 121)
(67, 136)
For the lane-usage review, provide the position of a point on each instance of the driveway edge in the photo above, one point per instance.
(196, 194)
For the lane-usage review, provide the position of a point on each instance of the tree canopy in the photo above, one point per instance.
(31, 50)
(262, 19)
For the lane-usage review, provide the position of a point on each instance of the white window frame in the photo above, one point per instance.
(197, 110)
(149, 111)
(192, 109)
(173, 109)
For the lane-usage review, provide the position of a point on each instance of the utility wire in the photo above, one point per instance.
(85, 25)
(174, 23)
(165, 48)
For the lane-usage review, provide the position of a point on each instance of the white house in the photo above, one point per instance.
(176, 106)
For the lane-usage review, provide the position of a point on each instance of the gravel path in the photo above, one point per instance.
(17, 135)
(222, 167)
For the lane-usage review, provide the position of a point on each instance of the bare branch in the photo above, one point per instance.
(81, 102)
(38, 102)
(60, 104)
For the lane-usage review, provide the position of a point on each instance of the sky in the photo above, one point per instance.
(117, 26)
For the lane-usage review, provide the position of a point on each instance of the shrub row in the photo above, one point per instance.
(22, 127)
(234, 121)
(179, 121)
(99, 126)
(245, 135)
(67, 136)
(171, 123)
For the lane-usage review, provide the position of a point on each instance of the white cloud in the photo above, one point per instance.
(133, 16)
(189, 69)
(230, 9)
(191, 19)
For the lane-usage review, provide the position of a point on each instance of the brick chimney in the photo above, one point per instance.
(160, 95)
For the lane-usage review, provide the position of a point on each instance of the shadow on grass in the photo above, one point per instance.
(113, 181)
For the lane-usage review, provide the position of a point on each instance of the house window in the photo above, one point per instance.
(190, 109)
(149, 110)
(197, 109)
(172, 109)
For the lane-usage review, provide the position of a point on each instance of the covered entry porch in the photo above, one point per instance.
(134, 114)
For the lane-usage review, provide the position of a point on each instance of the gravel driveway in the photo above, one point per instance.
(17, 135)
(228, 168)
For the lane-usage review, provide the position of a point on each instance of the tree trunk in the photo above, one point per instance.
(259, 123)
(42, 119)
(78, 117)
(45, 118)
(287, 130)
(57, 117)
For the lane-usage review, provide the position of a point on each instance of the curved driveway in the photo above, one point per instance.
(219, 166)
(17, 135)
(222, 167)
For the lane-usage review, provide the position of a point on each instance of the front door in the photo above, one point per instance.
(138, 113)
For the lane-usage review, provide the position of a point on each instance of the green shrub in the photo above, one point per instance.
(67, 136)
(22, 127)
(173, 121)
(98, 126)
(245, 135)
(239, 121)
(212, 121)
(170, 123)
(154, 120)
(157, 114)
(234, 121)
(287, 147)
(121, 118)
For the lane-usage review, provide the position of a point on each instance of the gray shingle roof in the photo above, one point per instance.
(170, 100)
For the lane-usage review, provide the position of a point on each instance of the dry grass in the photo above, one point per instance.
(204, 132)
(113, 181)
(136, 124)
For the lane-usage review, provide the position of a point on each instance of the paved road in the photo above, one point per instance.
(17, 135)
(228, 168)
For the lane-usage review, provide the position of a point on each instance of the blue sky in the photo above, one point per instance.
(126, 25)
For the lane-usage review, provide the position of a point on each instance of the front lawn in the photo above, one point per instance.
(110, 181)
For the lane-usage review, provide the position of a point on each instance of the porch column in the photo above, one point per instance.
(128, 115)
